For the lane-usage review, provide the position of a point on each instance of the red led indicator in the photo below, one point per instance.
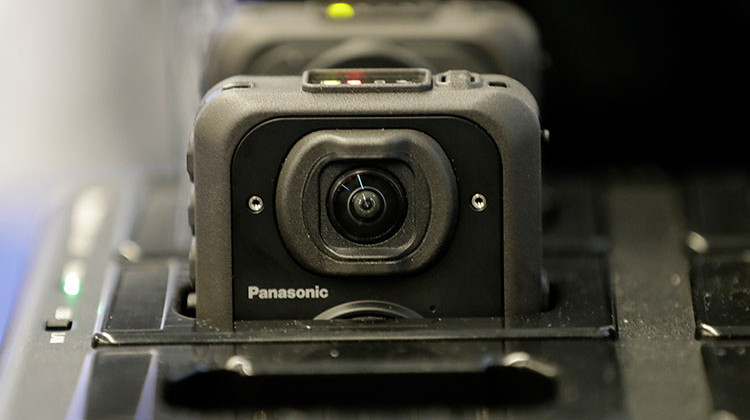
(354, 82)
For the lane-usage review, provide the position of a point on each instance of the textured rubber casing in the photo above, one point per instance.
(500, 105)
(288, 37)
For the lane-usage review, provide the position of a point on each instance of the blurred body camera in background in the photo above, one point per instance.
(286, 38)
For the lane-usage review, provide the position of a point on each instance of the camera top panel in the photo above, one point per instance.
(401, 82)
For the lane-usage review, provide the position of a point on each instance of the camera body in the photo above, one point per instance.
(361, 192)
(485, 36)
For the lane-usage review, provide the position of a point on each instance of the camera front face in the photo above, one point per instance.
(366, 210)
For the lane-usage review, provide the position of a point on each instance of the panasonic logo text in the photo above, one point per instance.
(255, 292)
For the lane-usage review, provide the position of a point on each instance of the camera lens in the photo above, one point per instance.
(367, 205)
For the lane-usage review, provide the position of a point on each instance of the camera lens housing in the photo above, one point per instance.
(367, 205)
(366, 202)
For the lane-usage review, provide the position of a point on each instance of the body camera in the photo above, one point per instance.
(366, 192)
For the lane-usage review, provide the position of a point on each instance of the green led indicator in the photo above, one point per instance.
(71, 284)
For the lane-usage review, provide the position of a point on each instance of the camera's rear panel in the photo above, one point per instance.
(465, 279)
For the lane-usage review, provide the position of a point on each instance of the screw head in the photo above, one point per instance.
(255, 204)
(478, 202)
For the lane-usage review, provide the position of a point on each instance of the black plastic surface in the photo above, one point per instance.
(138, 302)
(573, 219)
(589, 382)
(161, 229)
(727, 369)
(721, 295)
(119, 385)
(718, 205)
(374, 379)
(581, 307)
(489, 384)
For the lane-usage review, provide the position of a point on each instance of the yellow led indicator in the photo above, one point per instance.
(330, 82)
(340, 11)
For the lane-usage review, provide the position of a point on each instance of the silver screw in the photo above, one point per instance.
(478, 202)
(255, 204)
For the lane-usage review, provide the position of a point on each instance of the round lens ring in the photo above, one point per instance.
(367, 205)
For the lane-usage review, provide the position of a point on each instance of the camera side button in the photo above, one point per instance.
(54, 324)
(191, 210)
(192, 261)
(189, 161)
(458, 79)
(62, 321)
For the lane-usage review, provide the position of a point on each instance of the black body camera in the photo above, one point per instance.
(366, 192)
(486, 37)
